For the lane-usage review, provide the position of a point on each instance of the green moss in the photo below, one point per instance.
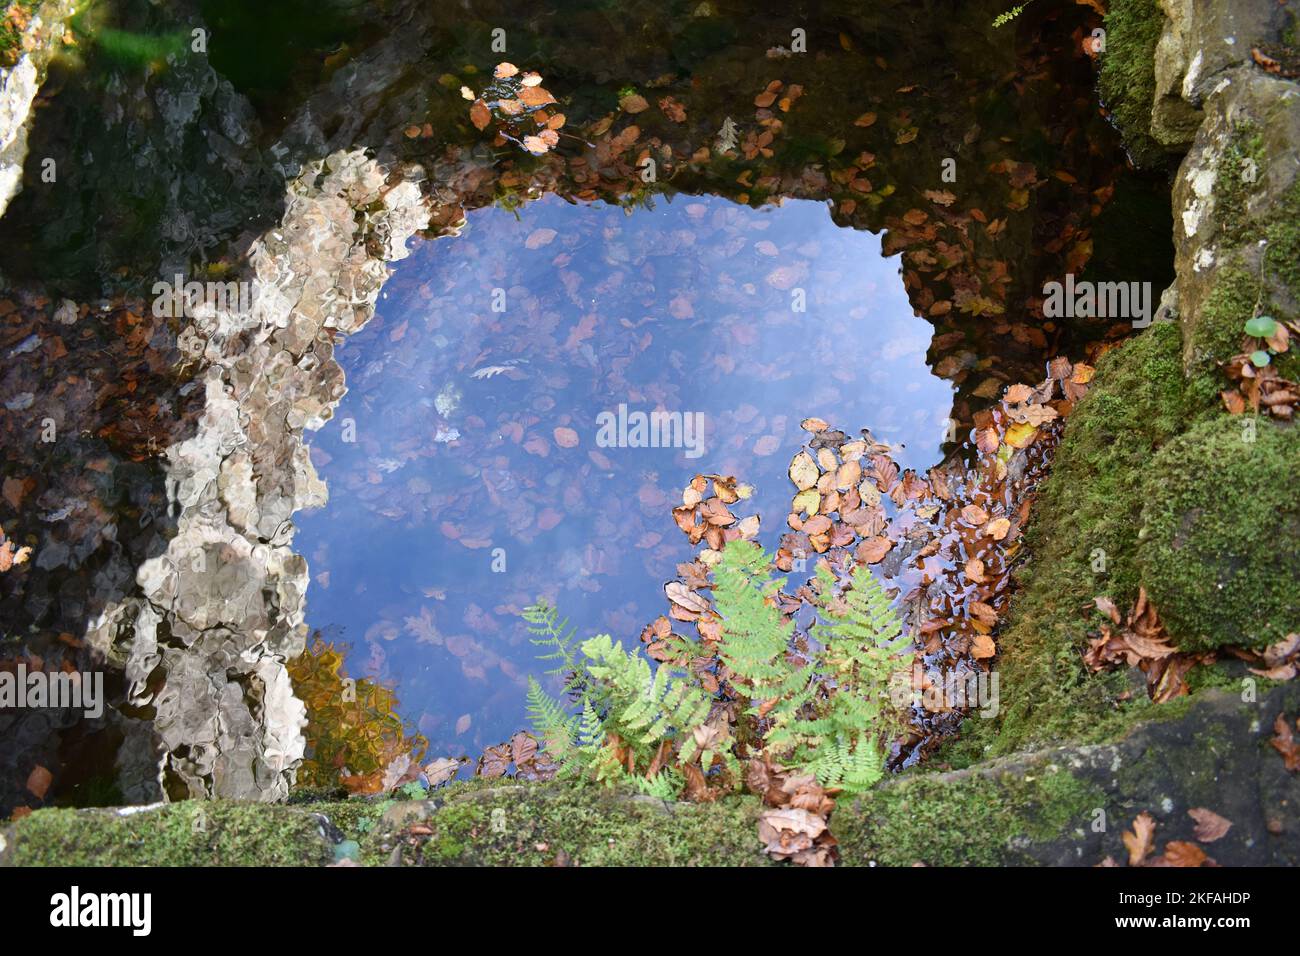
(1244, 286)
(178, 834)
(1127, 83)
(968, 819)
(1217, 333)
(1282, 252)
(1221, 549)
(1083, 543)
(965, 818)
(10, 37)
(528, 825)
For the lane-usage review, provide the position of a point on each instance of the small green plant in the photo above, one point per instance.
(1002, 19)
(818, 702)
(1262, 327)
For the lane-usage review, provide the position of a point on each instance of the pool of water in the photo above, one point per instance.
(468, 469)
(470, 466)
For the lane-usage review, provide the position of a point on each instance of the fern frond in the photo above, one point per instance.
(550, 632)
(558, 730)
(665, 785)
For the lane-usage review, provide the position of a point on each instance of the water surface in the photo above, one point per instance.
(476, 481)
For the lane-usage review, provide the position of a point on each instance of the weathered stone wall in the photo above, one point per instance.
(19, 84)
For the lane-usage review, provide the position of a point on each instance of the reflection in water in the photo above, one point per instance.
(468, 470)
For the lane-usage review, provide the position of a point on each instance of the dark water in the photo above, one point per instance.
(455, 506)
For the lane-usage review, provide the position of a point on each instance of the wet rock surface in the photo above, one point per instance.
(1066, 806)
(20, 81)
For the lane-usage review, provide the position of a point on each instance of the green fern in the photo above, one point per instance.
(756, 642)
(862, 644)
(646, 707)
(827, 716)
(665, 785)
(558, 730)
(852, 766)
(826, 712)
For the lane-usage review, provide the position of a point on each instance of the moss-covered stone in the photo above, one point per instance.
(1218, 333)
(1257, 268)
(528, 825)
(1127, 83)
(965, 819)
(1221, 533)
(1064, 806)
(1083, 540)
(216, 833)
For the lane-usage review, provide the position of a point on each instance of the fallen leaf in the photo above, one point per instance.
(873, 550)
(1209, 825)
(998, 528)
(1183, 854)
(440, 771)
(479, 115)
(634, 103)
(1139, 840)
(539, 237)
(804, 471)
(38, 782)
(1284, 742)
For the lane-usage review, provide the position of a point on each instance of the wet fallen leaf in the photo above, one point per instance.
(1284, 742)
(804, 471)
(873, 550)
(1140, 840)
(1209, 825)
(38, 782)
(1182, 854)
(479, 115)
(440, 771)
(540, 237)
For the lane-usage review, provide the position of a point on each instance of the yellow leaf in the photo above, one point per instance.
(1021, 435)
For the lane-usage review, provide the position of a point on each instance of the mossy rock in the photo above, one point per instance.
(1083, 542)
(1032, 808)
(1220, 554)
(178, 834)
(1127, 83)
(1258, 269)
(1150, 488)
